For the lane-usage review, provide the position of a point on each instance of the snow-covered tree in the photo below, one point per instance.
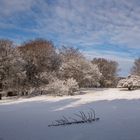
(109, 71)
(11, 72)
(74, 65)
(91, 75)
(131, 82)
(40, 57)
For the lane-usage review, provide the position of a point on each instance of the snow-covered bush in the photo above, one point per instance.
(34, 91)
(57, 88)
(62, 87)
(131, 82)
(72, 86)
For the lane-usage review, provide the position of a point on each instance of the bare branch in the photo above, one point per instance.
(84, 118)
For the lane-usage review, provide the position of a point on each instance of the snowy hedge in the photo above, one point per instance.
(131, 82)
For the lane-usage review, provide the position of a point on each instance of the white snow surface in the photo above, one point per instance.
(28, 118)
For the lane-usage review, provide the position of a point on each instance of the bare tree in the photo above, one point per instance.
(136, 68)
(40, 56)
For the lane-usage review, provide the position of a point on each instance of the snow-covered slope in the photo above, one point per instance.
(28, 119)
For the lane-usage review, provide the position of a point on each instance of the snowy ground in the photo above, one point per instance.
(28, 119)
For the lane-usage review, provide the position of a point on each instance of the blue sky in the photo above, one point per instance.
(99, 28)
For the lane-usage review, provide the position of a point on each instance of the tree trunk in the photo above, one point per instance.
(0, 97)
(129, 88)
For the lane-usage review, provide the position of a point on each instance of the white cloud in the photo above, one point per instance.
(80, 23)
(8, 7)
(91, 21)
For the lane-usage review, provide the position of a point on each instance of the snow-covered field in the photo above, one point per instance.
(28, 119)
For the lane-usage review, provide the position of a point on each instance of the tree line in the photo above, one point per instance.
(38, 67)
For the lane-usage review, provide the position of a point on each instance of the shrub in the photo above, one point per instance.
(131, 82)
(63, 87)
(72, 86)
